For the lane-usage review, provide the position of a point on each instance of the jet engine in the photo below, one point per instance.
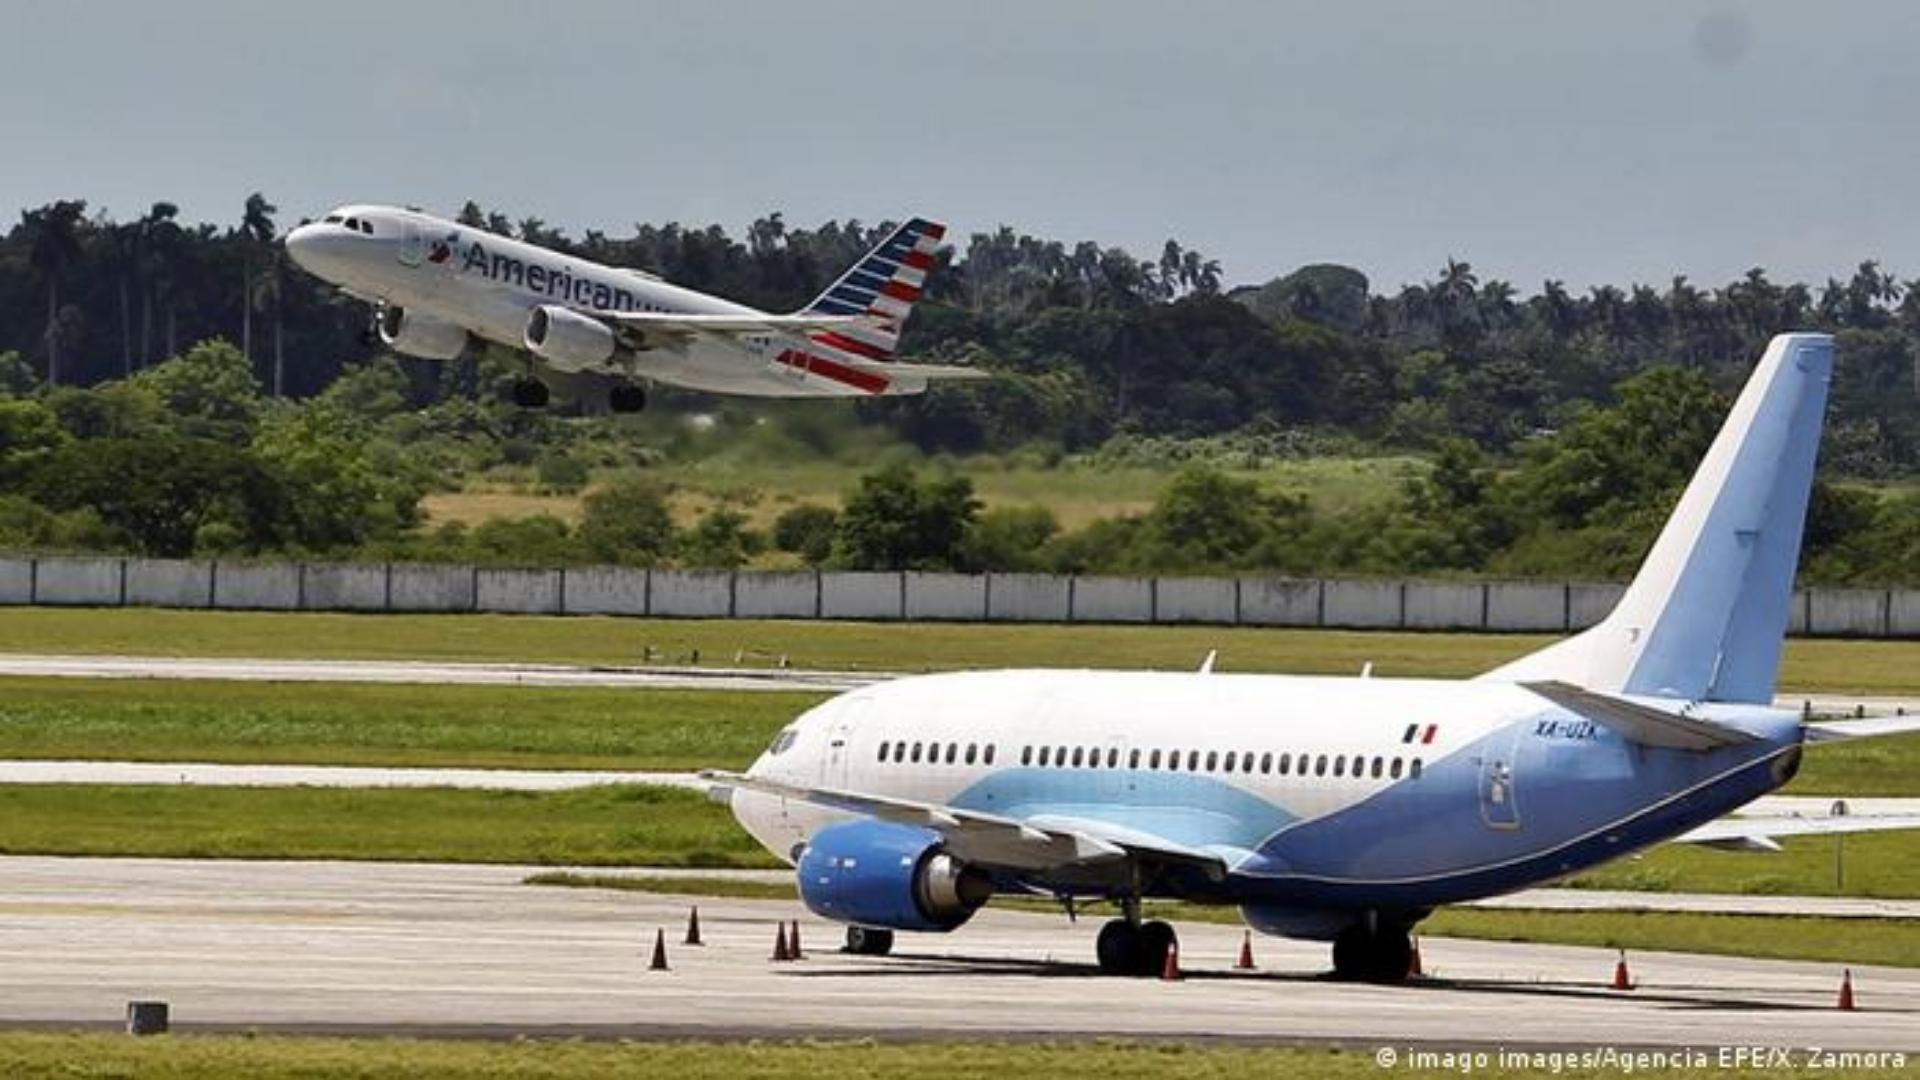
(568, 340)
(422, 336)
(879, 874)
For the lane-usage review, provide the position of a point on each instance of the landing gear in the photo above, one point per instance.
(1136, 949)
(1373, 951)
(530, 393)
(866, 941)
(626, 398)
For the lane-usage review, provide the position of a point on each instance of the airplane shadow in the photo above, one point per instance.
(1679, 997)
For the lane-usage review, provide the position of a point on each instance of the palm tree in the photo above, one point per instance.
(56, 246)
(256, 232)
(159, 240)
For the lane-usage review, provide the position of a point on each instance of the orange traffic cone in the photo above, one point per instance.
(1621, 980)
(780, 952)
(1846, 991)
(659, 951)
(793, 943)
(1245, 963)
(1413, 960)
(693, 926)
(1170, 971)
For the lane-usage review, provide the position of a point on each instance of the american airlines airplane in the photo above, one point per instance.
(1337, 809)
(436, 285)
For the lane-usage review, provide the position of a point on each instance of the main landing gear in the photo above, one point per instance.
(626, 398)
(531, 393)
(1137, 949)
(1373, 951)
(866, 941)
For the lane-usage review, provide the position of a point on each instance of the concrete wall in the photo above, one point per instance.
(861, 595)
(1112, 599)
(1197, 600)
(1028, 598)
(692, 594)
(606, 590)
(1279, 602)
(16, 581)
(1443, 605)
(946, 597)
(793, 595)
(169, 583)
(1847, 612)
(1526, 605)
(1588, 603)
(85, 581)
(1364, 605)
(1539, 607)
(345, 587)
(518, 592)
(256, 586)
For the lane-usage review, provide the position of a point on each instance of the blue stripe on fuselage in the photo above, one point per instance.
(1192, 809)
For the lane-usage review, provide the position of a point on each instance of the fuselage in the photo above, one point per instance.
(461, 276)
(1316, 792)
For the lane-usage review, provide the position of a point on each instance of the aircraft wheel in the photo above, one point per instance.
(866, 941)
(530, 393)
(1118, 948)
(626, 398)
(1379, 956)
(1156, 938)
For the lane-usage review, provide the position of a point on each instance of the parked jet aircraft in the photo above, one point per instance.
(1342, 809)
(436, 285)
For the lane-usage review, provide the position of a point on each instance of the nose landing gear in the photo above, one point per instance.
(530, 393)
(626, 398)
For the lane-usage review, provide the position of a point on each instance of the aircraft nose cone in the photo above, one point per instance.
(300, 245)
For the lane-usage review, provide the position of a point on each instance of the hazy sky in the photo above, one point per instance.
(1611, 141)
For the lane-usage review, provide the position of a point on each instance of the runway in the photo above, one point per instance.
(243, 669)
(469, 950)
(474, 673)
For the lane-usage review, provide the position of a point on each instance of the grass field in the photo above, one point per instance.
(1847, 941)
(383, 724)
(1824, 665)
(75, 1056)
(609, 826)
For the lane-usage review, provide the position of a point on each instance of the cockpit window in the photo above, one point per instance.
(783, 741)
(333, 219)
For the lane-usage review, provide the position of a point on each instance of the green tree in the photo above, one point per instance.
(1011, 539)
(719, 540)
(627, 521)
(30, 432)
(211, 392)
(157, 492)
(54, 229)
(807, 531)
(893, 521)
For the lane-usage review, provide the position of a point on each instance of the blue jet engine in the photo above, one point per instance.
(879, 874)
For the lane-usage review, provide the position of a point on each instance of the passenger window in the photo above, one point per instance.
(1113, 757)
(1232, 759)
(1413, 771)
(1339, 764)
(1193, 761)
(1286, 762)
(1045, 753)
(1320, 765)
(953, 751)
(883, 752)
(1060, 756)
(973, 750)
(1393, 770)
(1379, 766)
(1133, 758)
(899, 751)
(1078, 757)
(1026, 755)
(989, 757)
(916, 753)
(1153, 760)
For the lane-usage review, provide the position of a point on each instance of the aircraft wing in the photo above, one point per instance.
(1763, 833)
(990, 839)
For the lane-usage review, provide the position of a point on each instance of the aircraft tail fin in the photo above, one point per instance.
(1706, 616)
(881, 289)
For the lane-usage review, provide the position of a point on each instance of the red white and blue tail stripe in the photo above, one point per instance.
(881, 288)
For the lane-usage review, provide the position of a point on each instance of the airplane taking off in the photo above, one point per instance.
(436, 285)
(1338, 809)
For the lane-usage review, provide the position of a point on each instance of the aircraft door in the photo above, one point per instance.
(413, 243)
(841, 729)
(1499, 799)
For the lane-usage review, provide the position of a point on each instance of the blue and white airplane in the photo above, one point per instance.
(1341, 809)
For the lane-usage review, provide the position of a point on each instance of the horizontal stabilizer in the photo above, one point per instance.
(1872, 727)
(1639, 723)
(1761, 833)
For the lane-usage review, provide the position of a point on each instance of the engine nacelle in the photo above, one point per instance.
(568, 340)
(876, 873)
(418, 335)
